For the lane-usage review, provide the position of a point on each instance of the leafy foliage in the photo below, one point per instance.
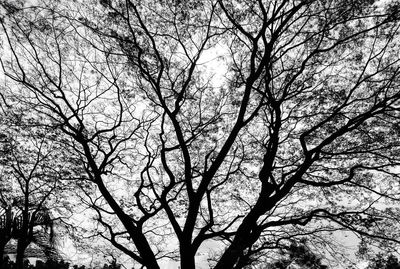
(247, 124)
(301, 256)
(388, 262)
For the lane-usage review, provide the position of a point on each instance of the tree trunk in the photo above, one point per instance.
(3, 244)
(21, 246)
(187, 257)
(139, 239)
(244, 237)
(6, 233)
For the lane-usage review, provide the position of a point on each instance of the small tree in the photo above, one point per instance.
(34, 166)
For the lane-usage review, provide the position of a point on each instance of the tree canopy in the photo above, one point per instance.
(243, 125)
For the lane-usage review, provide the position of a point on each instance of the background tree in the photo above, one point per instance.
(388, 262)
(6, 220)
(33, 169)
(296, 134)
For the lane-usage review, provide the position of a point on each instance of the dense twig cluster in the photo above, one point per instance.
(290, 131)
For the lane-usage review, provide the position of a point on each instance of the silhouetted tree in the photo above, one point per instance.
(34, 167)
(290, 130)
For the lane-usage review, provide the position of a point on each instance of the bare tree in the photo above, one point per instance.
(289, 131)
